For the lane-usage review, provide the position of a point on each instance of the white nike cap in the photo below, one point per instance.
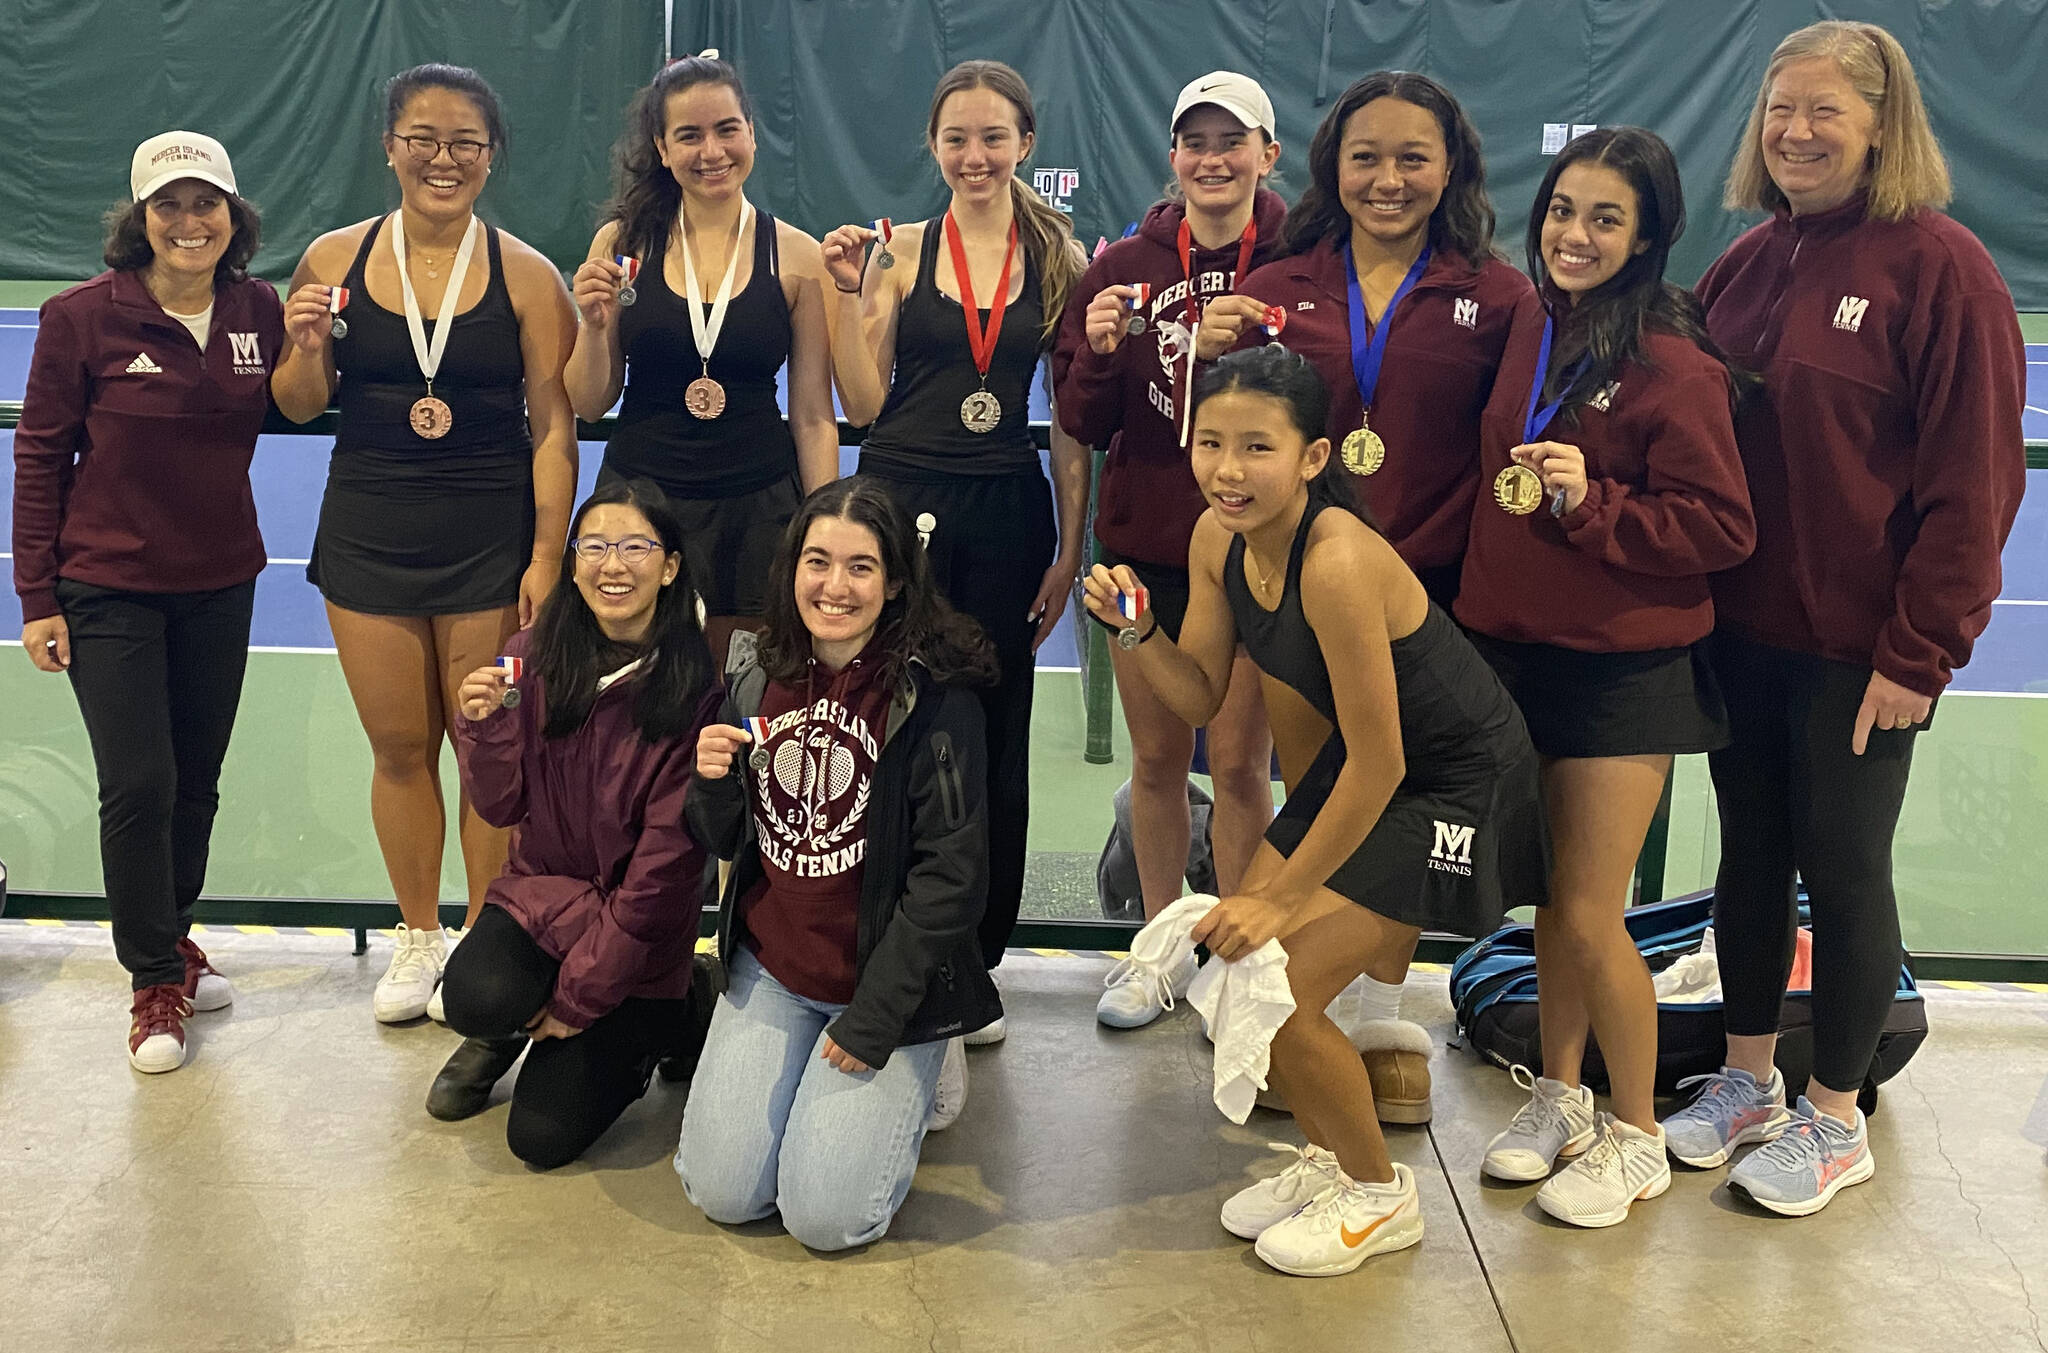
(1238, 95)
(170, 156)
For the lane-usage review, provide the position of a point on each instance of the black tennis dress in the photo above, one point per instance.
(1463, 837)
(417, 526)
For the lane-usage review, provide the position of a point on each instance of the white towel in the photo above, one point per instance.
(1243, 1004)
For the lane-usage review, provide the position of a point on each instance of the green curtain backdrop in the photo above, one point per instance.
(841, 86)
(294, 89)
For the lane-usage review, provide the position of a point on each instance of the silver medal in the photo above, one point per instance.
(339, 327)
(981, 411)
(1135, 325)
(511, 700)
(627, 295)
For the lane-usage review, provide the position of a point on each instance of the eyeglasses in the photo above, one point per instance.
(424, 148)
(633, 550)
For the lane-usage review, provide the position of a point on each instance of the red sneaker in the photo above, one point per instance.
(205, 989)
(156, 1038)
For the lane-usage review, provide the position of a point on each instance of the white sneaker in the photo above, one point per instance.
(1248, 1212)
(1344, 1225)
(408, 984)
(1557, 1121)
(951, 1096)
(1625, 1166)
(1135, 997)
(995, 1032)
(434, 1010)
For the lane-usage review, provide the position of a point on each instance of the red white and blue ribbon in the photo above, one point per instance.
(1273, 321)
(513, 667)
(337, 297)
(629, 265)
(1143, 296)
(757, 731)
(1134, 604)
(885, 228)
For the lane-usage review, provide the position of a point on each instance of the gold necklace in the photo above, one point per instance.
(1261, 582)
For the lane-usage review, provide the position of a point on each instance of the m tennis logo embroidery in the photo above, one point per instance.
(143, 366)
(1849, 312)
(1465, 313)
(1452, 852)
(247, 357)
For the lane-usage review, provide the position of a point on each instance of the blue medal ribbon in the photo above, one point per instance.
(1534, 420)
(1368, 353)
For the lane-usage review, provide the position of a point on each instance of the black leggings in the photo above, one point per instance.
(571, 1089)
(991, 542)
(1794, 798)
(158, 677)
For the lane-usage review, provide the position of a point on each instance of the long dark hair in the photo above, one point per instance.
(1606, 325)
(571, 652)
(915, 623)
(127, 244)
(646, 200)
(1462, 223)
(1044, 231)
(400, 88)
(1285, 375)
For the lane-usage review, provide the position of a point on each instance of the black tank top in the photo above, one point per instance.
(747, 447)
(482, 379)
(919, 428)
(1455, 715)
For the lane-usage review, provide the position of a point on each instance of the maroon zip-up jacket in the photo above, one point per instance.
(602, 874)
(1442, 354)
(1887, 463)
(131, 464)
(1626, 570)
(1129, 402)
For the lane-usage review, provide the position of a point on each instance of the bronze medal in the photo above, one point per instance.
(1364, 452)
(1518, 490)
(431, 417)
(704, 397)
(981, 411)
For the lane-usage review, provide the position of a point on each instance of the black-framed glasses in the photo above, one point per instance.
(425, 148)
(633, 550)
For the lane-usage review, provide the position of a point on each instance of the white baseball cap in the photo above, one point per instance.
(1238, 95)
(170, 156)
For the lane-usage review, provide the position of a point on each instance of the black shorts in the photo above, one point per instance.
(421, 553)
(1452, 856)
(1662, 702)
(729, 544)
(1167, 587)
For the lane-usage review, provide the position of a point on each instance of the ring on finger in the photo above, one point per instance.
(1903, 721)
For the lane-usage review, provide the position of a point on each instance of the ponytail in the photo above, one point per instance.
(1048, 239)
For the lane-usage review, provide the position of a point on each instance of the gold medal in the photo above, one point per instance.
(1364, 452)
(1518, 490)
(431, 417)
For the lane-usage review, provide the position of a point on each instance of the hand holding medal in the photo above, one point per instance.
(1118, 602)
(718, 744)
(1542, 467)
(629, 272)
(487, 688)
(1108, 316)
(310, 319)
(337, 299)
(885, 230)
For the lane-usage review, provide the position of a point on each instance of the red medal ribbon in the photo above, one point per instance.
(337, 297)
(1184, 241)
(980, 342)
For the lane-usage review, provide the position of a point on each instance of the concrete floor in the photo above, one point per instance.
(286, 1190)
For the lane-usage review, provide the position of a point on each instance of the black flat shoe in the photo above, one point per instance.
(463, 1089)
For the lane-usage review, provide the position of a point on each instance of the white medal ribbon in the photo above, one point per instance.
(430, 357)
(706, 331)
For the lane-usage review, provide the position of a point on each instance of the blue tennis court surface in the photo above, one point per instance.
(290, 472)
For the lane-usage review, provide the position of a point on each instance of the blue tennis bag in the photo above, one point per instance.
(1493, 986)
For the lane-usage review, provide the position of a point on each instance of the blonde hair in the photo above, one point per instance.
(1047, 235)
(1906, 170)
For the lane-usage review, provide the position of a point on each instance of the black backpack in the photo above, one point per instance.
(1116, 872)
(1493, 986)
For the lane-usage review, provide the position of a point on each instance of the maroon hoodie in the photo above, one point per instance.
(1441, 357)
(1129, 402)
(1626, 570)
(131, 464)
(602, 874)
(810, 816)
(1887, 462)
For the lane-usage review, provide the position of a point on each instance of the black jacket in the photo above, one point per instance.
(918, 970)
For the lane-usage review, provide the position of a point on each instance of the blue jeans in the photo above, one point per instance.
(771, 1125)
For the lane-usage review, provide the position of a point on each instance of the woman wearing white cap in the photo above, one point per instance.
(454, 469)
(135, 543)
(1122, 368)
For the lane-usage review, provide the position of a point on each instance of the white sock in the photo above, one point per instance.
(1370, 999)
